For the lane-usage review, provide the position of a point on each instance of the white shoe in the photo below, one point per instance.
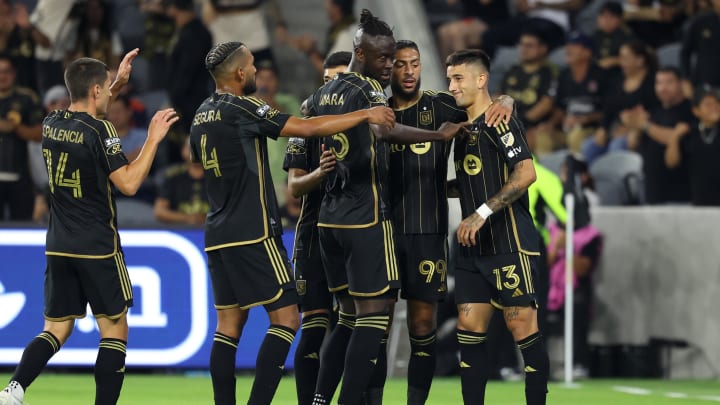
(12, 394)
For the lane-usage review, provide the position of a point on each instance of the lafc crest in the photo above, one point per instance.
(301, 287)
(426, 118)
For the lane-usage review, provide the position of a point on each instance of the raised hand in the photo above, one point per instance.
(124, 69)
(161, 123)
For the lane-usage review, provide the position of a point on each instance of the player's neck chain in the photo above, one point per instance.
(707, 135)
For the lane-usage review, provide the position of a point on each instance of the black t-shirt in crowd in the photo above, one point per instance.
(584, 97)
(662, 184)
(527, 88)
(700, 151)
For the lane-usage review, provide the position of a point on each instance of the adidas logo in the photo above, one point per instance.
(464, 365)
(518, 292)
(374, 361)
(529, 369)
(122, 370)
(313, 356)
(281, 367)
(421, 354)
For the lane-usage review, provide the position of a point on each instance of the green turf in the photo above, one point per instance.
(74, 389)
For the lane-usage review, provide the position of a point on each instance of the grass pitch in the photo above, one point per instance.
(140, 389)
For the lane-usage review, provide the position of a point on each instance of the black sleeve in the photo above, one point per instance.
(268, 120)
(296, 155)
(111, 156)
(511, 139)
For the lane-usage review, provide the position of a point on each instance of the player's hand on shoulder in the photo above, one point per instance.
(449, 130)
(381, 116)
(161, 123)
(499, 111)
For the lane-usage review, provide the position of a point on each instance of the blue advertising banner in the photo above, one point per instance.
(171, 323)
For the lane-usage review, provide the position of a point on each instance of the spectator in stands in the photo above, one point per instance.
(702, 41)
(56, 20)
(581, 88)
(700, 149)
(650, 133)
(188, 82)
(245, 20)
(466, 31)
(159, 28)
(633, 89)
(550, 18)
(532, 83)
(132, 138)
(610, 35)
(656, 23)
(140, 113)
(339, 37)
(267, 83)
(17, 39)
(182, 195)
(587, 248)
(20, 121)
(95, 36)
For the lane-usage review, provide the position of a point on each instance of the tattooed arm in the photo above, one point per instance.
(522, 176)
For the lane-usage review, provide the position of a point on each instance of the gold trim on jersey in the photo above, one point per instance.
(527, 272)
(413, 104)
(124, 277)
(339, 288)
(270, 301)
(390, 259)
(276, 261)
(371, 294)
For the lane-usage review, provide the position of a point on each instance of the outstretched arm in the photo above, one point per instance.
(404, 134)
(332, 124)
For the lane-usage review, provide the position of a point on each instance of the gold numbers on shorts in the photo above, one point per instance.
(212, 163)
(428, 268)
(56, 176)
(513, 279)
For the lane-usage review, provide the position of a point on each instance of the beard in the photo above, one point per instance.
(399, 92)
(249, 87)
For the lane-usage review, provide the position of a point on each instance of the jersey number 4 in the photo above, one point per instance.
(212, 163)
(56, 176)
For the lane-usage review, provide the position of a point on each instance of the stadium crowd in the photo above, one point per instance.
(588, 77)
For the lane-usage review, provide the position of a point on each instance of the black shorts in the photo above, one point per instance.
(505, 280)
(71, 283)
(423, 266)
(310, 282)
(247, 276)
(361, 260)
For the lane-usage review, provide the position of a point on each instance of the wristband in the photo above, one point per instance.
(484, 211)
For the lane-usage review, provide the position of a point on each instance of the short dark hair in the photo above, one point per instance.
(535, 33)
(612, 7)
(704, 91)
(218, 55)
(469, 56)
(641, 49)
(374, 26)
(346, 6)
(340, 58)
(406, 43)
(672, 70)
(82, 74)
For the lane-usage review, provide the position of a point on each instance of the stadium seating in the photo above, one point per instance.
(619, 178)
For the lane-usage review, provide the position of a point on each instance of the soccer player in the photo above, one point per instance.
(356, 233)
(498, 240)
(85, 262)
(247, 260)
(418, 174)
(307, 167)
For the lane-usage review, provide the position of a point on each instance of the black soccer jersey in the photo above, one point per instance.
(356, 193)
(483, 162)
(304, 154)
(418, 172)
(527, 88)
(229, 136)
(80, 153)
(21, 106)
